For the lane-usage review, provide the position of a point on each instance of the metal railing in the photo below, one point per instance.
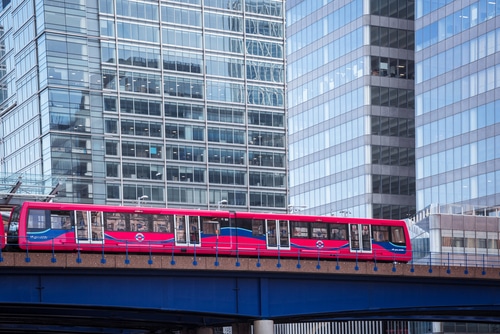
(217, 250)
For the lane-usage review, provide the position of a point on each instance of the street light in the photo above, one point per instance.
(143, 197)
(294, 208)
(221, 203)
(345, 212)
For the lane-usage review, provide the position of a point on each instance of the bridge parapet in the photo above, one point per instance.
(264, 265)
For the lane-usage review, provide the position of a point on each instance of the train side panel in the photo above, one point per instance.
(325, 237)
(68, 227)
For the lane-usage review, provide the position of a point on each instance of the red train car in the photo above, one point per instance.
(69, 227)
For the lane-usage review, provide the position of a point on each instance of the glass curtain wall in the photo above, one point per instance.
(179, 103)
(351, 107)
(457, 105)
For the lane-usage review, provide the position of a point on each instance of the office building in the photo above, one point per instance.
(168, 103)
(457, 109)
(352, 118)
(350, 77)
(457, 115)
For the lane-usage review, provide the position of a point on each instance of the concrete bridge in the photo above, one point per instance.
(131, 293)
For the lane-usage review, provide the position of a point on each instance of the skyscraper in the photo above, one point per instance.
(457, 113)
(350, 74)
(177, 103)
(349, 92)
(457, 103)
(457, 127)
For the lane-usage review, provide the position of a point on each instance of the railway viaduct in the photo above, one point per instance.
(129, 293)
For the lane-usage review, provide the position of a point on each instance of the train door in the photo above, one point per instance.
(194, 230)
(187, 230)
(277, 234)
(89, 227)
(360, 238)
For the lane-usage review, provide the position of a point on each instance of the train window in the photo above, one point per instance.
(95, 218)
(114, 221)
(37, 220)
(211, 226)
(244, 224)
(257, 227)
(194, 235)
(380, 233)
(14, 222)
(338, 232)
(224, 222)
(96, 227)
(319, 231)
(140, 222)
(82, 227)
(60, 220)
(180, 229)
(284, 233)
(272, 239)
(365, 237)
(299, 229)
(354, 236)
(397, 235)
(163, 223)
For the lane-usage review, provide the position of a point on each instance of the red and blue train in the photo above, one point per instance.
(68, 227)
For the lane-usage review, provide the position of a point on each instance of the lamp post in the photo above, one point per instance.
(345, 212)
(221, 203)
(143, 197)
(295, 208)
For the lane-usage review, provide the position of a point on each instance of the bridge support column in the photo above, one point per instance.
(263, 327)
(241, 328)
(204, 330)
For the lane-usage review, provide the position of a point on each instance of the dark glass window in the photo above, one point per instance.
(113, 191)
(299, 229)
(401, 9)
(110, 103)
(111, 148)
(338, 232)
(319, 231)
(112, 169)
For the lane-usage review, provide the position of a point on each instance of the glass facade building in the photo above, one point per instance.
(457, 117)
(182, 102)
(350, 77)
(457, 107)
